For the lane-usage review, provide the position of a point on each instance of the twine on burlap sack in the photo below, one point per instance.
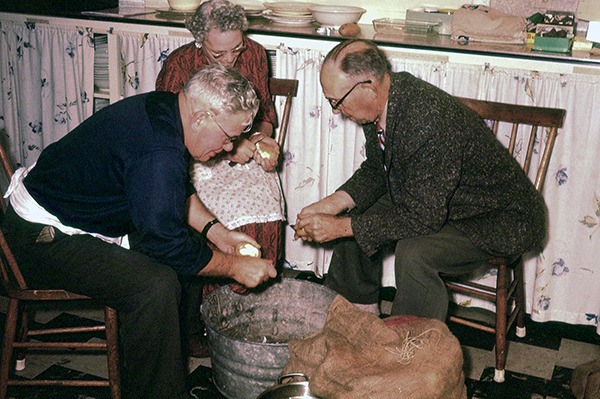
(410, 345)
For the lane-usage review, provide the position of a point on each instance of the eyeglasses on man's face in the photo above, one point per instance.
(217, 55)
(230, 138)
(335, 104)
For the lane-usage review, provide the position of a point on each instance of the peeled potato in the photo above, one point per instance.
(247, 249)
(350, 29)
(263, 153)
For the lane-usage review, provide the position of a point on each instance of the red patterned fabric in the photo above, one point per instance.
(269, 236)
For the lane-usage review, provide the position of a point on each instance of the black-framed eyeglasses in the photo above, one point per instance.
(230, 138)
(336, 104)
(234, 51)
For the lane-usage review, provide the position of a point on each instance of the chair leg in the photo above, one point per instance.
(23, 329)
(501, 321)
(112, 349)
(10, 330)
(520, 300)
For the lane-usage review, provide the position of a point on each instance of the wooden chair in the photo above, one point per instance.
(287, 88)
(17, 332)
(508, 294)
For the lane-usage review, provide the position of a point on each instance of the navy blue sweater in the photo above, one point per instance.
(124, 170)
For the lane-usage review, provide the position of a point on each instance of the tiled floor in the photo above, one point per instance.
(538, 366)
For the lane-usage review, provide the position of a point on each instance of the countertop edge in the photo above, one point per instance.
(261, 26)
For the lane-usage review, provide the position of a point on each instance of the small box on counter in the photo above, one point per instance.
(581, 44)
(559, 18)
(553, 37)
(549, 30)
(552, 44)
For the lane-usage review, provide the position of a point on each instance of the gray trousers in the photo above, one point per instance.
(418, 261)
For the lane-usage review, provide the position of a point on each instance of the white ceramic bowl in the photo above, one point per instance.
(336, 16)
(184, 5)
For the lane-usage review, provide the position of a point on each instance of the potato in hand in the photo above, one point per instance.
(247, 249)
(264, 152)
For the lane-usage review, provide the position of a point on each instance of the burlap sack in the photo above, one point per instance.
(357, 355)
(585, 382)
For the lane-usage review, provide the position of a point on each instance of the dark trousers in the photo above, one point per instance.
(418, 262)
(145, 293)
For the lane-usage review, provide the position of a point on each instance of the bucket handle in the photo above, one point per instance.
(290, 376)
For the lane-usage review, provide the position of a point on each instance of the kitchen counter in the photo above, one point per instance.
(259, 25)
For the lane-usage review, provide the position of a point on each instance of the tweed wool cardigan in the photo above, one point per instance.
(442, 165)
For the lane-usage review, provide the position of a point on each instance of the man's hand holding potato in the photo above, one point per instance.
(320, 227)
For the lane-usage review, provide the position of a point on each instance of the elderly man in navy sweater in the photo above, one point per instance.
(124, 171)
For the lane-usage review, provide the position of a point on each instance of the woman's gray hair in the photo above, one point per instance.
(359, 57)
(216, 14)
(222, 90)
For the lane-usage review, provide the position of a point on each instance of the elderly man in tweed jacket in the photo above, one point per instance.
(436, 184)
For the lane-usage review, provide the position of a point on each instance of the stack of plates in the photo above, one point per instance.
(100, 103)
(289, 13)
(253, 11)
(169, 13)
(101, 62)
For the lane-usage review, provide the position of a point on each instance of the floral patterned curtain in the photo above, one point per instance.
(324, 149)
(142, 56)
(46, 85)
(321, 151)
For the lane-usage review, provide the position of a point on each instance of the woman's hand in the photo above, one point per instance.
(242, 152)
(267, 152)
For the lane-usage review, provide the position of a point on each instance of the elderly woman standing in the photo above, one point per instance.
(246, 196)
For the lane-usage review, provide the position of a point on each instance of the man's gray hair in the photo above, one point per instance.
(360, 58)
(216, 14)
(222, 90)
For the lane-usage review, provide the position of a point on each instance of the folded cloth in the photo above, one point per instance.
(358, 355)
(483, 24)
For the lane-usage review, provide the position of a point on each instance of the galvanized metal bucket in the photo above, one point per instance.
(248, 334)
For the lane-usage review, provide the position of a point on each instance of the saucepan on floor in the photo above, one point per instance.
(288, 388)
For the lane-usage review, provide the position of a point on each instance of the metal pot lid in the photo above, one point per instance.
(289, 389)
